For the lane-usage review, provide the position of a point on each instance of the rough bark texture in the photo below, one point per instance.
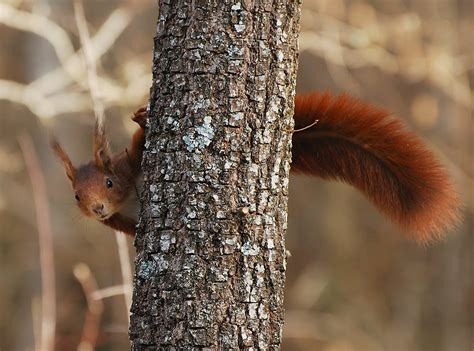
(210, 266)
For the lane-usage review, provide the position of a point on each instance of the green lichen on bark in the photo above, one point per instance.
(210, 266)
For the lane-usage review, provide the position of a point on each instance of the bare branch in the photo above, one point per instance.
(125, 267)
(101, 43)
(110, 292)
(90, 330)
(362, 47)
(24, 95)
(48, 303)
(39, 25)
(90, 62)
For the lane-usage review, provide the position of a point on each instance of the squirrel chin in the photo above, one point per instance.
(103, 218)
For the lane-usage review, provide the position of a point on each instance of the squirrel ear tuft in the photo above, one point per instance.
(101, 148)
(102, 158)
(64, 158)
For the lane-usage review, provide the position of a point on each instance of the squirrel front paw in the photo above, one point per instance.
(140, 116)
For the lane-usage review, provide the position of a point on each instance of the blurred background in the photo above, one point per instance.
(353, 282)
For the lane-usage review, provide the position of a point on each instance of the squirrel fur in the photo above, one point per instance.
(103, 185)
(336, 138)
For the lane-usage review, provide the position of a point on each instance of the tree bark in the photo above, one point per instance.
(210, 265)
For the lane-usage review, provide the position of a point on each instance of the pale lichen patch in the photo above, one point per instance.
(239, 27)
(236, 7)
(146, 269)
(249, 249)
(199, 137)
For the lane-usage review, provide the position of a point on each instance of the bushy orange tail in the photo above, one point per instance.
(368, 148)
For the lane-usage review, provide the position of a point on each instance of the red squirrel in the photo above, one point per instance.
(336, 137)
(103, 185)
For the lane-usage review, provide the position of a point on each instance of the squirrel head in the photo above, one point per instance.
(98, 190)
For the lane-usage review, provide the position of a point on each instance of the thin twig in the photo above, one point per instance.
(33, 99)
(90, 62)
(105, 37)
(48, 302)
(99, 115)
(70, 68)
(111, 291)
(306, 127)
(36, 319)
(358, 48)
(125, 268)
(38, 95)
(90, 330)
(40, 25)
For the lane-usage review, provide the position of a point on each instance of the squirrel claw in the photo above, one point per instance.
(140, 116)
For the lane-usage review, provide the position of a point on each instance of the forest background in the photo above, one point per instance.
(353, 281)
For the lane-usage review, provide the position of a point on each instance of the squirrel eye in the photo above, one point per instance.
(109, 183)
(77, 197)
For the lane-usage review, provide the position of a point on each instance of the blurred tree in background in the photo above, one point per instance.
(353, 282)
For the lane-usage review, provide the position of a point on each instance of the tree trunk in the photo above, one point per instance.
(210, 266)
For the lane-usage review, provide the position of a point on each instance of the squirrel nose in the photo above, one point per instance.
(97, 209)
